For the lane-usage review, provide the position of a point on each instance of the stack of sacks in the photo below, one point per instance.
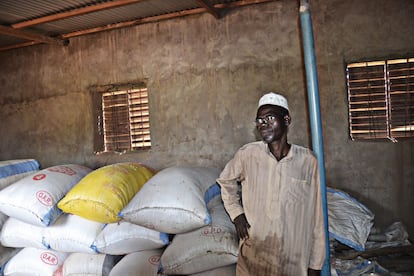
(203, 249)
(14, 170)
(113, 224)
(99, 197)
(186, 201)
(32, 202)
(86, 238)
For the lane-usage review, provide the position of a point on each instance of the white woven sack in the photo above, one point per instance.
(34, 198)
(14, 170)
(89, 264)
(350, 222)
(71, 233)
(229, 270)
(172, 201)
(124, 237)
(143, 263)
(19, 234)
(205, 248)
(34, 261)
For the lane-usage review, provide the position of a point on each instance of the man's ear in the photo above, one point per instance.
(287, 120)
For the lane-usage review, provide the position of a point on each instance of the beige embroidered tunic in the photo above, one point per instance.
(282, 203)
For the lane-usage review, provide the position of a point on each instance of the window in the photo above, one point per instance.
(381, 99)
(121, 118)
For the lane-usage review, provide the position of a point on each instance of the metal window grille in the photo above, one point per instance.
(126, 124)
(381, 99)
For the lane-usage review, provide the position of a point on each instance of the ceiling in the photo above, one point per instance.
(29, 22)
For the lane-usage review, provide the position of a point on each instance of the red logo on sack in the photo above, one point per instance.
(62, 169)
(44, 197)
(49, 258)
(212, 230)
(39, 176)
(154, 260)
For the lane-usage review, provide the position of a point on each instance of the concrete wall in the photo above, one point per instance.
(205, 77)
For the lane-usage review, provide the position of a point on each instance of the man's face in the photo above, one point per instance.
(270, 123)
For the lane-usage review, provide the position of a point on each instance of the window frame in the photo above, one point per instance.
(137, 109)
(381, 99)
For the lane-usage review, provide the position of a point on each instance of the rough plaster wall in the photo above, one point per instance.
(380, 174)
(205, 77)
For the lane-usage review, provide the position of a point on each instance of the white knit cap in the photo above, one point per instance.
(274, 99)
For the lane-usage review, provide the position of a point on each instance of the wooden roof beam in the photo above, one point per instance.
(81, 11)
(157, 18)
(130, 23)
(31, 36)
(209, 7)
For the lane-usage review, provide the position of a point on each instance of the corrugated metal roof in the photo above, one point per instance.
(29, 22)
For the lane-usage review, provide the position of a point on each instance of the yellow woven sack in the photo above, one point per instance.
(104, 192)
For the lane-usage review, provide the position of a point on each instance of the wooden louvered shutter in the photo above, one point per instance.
(121, 119)
(401, 95)
(381, 99)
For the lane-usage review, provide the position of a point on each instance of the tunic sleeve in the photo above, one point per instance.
(227, 180)
(318, 250)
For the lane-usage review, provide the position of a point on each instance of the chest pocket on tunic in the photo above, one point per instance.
(296, 190)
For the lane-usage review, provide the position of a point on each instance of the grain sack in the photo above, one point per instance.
(203, 249)
(106, 191)
(34, 198)
(143, 263)
(33, 261)
(172, 201)
(14, 170)
(72, 233)
(19, 234)
(123, 237)
(229, 270)
(87, 264)
(349, 220)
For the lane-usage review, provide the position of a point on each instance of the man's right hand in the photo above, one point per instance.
(241, 226)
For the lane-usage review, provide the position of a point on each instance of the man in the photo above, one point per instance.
(279, 221)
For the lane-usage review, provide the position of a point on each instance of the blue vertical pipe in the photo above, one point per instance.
(314, 113)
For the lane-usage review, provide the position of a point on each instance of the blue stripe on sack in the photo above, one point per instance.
(347, 242)
(23, 167)
(44, 243)
(94, 248)
(50, 217)
(164, 238)
(212, 192)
